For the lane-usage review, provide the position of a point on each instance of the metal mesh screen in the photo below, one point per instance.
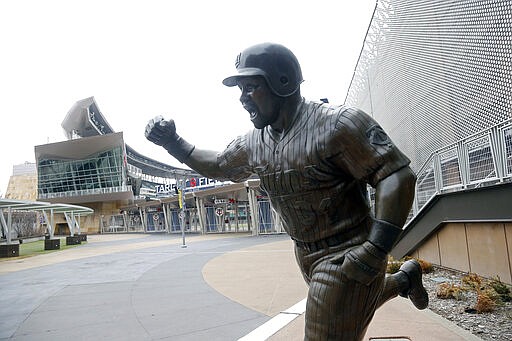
(433, 72)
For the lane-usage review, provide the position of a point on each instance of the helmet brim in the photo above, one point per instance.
(242, 73)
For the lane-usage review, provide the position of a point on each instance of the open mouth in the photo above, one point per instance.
(253, 112)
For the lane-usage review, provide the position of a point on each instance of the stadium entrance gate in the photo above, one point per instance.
(218, 218)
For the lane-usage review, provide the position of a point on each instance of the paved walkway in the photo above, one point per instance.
(147, 287)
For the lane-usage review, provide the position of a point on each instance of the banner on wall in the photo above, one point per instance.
(190, 185)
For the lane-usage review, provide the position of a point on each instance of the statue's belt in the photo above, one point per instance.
(334, 240)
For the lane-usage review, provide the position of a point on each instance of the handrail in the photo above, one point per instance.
(92, 191)
(480, 159)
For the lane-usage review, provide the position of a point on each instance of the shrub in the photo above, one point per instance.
(473, 281)
(501, 289)
(426, 267)
(492, 294)
(393, 265)
(484, 304)
(489, 294)
(449, 290)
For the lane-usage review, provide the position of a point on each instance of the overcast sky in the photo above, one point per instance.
(140, 59)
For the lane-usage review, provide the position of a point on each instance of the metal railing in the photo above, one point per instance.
(269, 220)
(82, 192)
(481, 159)
(121, 223)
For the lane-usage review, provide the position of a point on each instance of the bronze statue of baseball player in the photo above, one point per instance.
(314, 161)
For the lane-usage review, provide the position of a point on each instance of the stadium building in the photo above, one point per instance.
(130, 192)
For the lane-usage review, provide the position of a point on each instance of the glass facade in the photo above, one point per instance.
(100, 173)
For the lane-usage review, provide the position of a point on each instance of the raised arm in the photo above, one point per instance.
(163, 133)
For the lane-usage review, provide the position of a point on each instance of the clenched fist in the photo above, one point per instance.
(160, 132)
(163, 133)
(362, 263)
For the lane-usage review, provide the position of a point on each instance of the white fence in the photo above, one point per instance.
(481, 159)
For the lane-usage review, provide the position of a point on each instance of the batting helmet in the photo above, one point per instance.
(274, 62)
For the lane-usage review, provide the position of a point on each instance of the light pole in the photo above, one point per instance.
(181, 201)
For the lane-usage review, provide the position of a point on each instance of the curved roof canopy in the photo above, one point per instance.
(85, 119)
(22, 205)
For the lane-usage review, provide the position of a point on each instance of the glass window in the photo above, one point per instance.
(77, 177)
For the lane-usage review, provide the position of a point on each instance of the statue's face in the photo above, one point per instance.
(261, 103)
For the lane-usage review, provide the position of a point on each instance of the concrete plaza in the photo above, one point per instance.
(147, 287)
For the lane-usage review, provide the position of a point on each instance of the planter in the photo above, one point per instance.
(9, 250)
(73, 240)
(52, 244)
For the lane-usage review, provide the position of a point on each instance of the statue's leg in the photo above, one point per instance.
(407, 282)
(339, 308)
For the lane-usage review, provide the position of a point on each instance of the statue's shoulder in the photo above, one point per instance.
(345, 112)
(332, 116)
(328, 110)
(352, 119)
(319, 110)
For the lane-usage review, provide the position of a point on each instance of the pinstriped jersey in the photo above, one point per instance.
(315, 173)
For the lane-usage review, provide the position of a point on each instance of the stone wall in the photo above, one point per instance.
(22, 187)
